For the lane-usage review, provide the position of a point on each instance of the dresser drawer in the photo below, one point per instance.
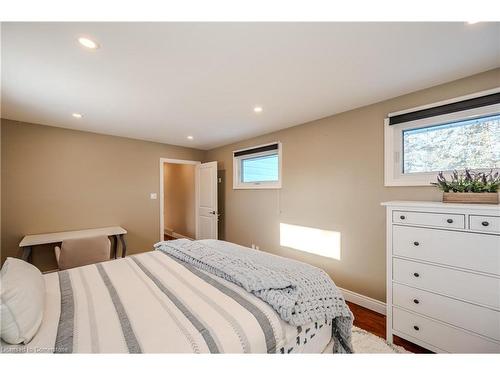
(475, 251)
(440, 335)
(456, 221)
(485, 223)
(472, 287)
(461, 314)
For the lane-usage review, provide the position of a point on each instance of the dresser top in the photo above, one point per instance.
(441, 205)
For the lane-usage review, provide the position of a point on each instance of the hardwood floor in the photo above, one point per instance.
(375, 323)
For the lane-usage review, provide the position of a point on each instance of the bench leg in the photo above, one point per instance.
(27, 254)
(114, 240)
(124, 245)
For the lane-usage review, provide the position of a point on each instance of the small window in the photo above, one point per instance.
(257, 167)
(260, 169)
(453, 135)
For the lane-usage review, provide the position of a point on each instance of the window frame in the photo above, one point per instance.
(393, 140)
(237, 163)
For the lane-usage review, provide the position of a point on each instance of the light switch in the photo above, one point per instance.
(153, 196)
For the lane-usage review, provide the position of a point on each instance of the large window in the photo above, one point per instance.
(457, 145)
(454, 135)
(258, 167)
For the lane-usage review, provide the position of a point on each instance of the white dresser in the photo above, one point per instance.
(443, 275)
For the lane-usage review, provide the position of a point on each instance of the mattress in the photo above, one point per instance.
(150, 303)
(311, 338)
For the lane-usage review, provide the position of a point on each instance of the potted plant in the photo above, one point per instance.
(469, 187)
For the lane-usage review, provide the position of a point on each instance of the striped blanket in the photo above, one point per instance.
(299, 292)
(153, 303)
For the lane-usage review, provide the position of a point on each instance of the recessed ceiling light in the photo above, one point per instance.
(89, 43)
(190, 137)
(257, 109)
(77, 115)
(472, 22)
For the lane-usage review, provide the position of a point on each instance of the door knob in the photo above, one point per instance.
(212, 212)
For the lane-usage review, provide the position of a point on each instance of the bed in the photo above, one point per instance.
(155, 303)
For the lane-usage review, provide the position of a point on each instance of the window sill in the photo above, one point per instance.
(423, 179)
(256, 187)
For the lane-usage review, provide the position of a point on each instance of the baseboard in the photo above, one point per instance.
(176, 235)
(364, 301)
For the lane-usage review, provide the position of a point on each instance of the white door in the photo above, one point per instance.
(207, 200)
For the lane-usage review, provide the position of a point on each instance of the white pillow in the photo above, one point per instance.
(22, 297)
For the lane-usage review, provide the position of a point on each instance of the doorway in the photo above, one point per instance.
(188, 199)
(179, 210)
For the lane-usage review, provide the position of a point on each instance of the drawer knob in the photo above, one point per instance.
(416, 301)
(402, 217)
(485, 223)
(416, 328)
(449, 221)
(416, 274)
(416, 243)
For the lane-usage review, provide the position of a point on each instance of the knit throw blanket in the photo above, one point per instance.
(299, 292)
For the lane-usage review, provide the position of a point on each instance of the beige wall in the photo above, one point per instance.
(333, 179)
(56, 179)
(1, 168)
(179, 198)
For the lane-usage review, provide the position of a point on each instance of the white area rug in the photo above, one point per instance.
(366, 342)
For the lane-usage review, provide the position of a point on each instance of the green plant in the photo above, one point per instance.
(469, 182)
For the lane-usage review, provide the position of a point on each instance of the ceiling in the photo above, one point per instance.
(166, 81)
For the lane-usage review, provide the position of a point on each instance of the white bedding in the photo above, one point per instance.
(150, 303)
